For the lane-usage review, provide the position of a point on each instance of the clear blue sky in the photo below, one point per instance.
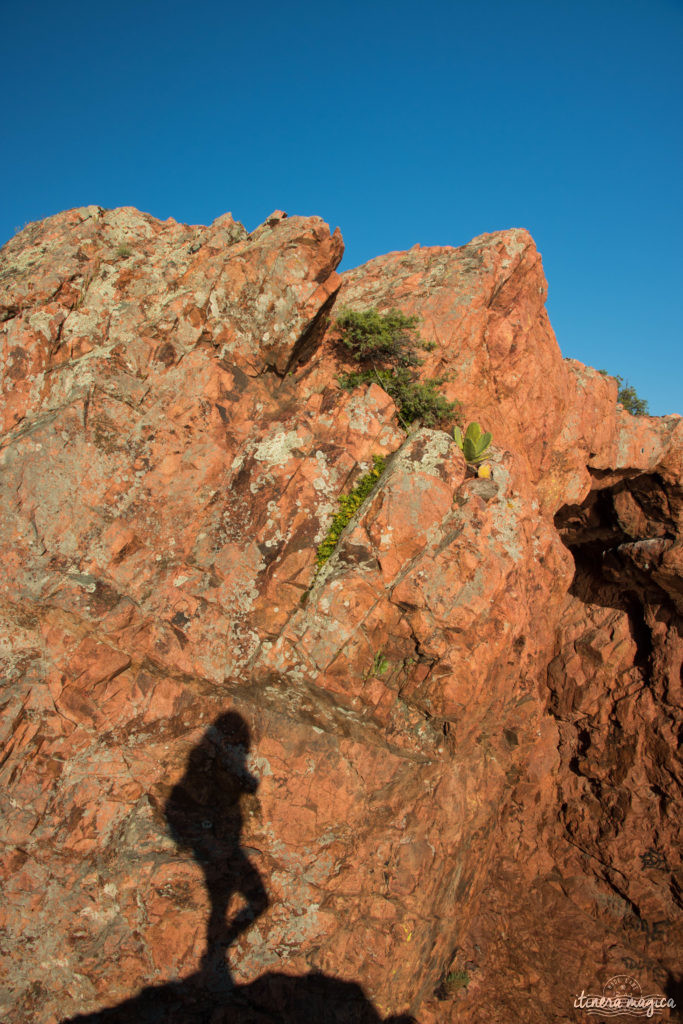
(400, 122)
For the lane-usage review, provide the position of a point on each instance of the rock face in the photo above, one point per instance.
(437, 777)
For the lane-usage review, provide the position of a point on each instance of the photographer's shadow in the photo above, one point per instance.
(204, 815)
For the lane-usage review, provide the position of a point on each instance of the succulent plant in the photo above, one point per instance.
(474, 445)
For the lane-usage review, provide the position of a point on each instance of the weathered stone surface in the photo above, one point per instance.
(453, 748)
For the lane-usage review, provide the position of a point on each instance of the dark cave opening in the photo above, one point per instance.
(617, 518)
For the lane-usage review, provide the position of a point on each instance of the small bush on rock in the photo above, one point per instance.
(628, 396)
(386, 347)
(451, 983)
(456, 980)
(382, 337)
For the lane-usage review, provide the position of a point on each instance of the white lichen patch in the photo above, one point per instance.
(505, 519)
(273, 531)
(100, 295)
(81, 322)
(276, 450)
(323, 483)
(258, 483)
(361, 410)
(258, 766)
(40, 322)
(387, 537)
(125, 224)
(515, 245)
(325, 513)
(435, 449)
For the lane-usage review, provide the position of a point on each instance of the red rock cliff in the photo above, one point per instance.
(453, 752)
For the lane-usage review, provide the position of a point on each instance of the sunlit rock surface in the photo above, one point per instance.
(235, 784)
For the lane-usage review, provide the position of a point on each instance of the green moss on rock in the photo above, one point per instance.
(348, 506)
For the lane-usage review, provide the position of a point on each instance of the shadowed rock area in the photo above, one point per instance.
(440, 776)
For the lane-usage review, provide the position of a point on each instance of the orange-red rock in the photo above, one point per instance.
(452, 749)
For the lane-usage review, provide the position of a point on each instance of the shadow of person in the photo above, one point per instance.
(204, 815)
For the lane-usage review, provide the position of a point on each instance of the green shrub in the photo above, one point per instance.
(414, 399)
(348, 506)
(379, 665)
(628, 396)
(630, 399)
(388, 337)
(455, 980)
(386, 347)
(123, 252)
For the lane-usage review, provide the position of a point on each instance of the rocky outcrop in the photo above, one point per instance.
(244, 785)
